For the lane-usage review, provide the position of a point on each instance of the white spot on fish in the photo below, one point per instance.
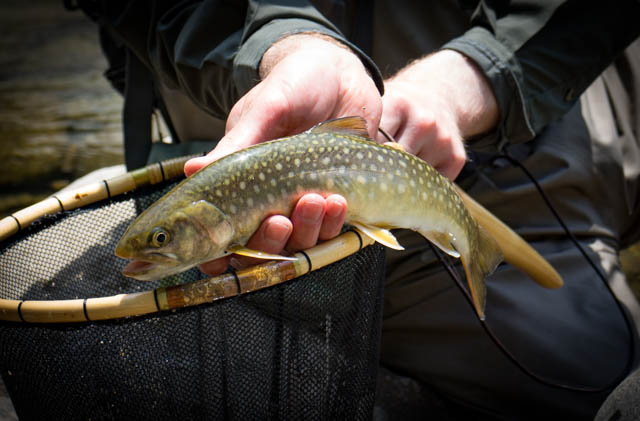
(270, 198)
(256, 188)
(274, 182)
(380, 158)
(232, 209)
(401, 188)
(243, 185)
(291, 174)
(278, 166)
(219, 193)
(297, 162)
(261, 176)
(383, 186)
(360, 156)
(250, 202)
(361, 179)
(326, 160)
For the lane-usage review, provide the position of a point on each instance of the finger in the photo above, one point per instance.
(215, 267)
(391, 125)
(394, 115)
(307, 219)
(271, 237)
(240, 137)
(458, 157)
(335, 213)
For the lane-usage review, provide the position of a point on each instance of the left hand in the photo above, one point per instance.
(314, 218)
(434, 103)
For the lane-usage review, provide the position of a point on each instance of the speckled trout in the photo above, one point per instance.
(216, 210)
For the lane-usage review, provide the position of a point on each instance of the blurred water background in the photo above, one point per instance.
(59, 117)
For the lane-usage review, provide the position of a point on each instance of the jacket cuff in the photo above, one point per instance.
(505, 75)
(247, 60)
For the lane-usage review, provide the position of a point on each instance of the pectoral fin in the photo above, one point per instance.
(381, 235)
(243, 251)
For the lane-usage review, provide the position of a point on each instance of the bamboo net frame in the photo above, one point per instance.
(165, 298)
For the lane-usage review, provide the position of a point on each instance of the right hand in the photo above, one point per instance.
(306, 80)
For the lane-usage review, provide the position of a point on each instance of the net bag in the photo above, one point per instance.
(302, 349)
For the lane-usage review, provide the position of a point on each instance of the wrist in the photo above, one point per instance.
(459, 85)
(309, 42)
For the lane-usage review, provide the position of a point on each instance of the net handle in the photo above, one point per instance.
(166, 298)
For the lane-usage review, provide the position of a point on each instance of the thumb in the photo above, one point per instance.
(238, 138)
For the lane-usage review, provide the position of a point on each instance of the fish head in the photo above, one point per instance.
(168, 239)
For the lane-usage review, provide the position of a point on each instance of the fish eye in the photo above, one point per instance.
(160, 237)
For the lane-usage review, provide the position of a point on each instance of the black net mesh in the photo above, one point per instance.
(307, 349)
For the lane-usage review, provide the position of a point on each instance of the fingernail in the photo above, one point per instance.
(312, 212)
(277, 232)
(335, 209)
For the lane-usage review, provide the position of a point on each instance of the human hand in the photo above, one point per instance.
(313, 218)
(436, 102)
(306, 80)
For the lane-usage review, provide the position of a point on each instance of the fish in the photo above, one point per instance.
(216, 210)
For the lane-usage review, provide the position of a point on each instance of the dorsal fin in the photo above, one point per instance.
(354, 126)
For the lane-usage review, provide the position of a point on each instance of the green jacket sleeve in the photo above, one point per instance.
(211, 50)
(539, 57)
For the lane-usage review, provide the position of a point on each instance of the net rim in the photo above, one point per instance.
(164, 298)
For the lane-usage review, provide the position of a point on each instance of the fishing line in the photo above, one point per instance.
(489, 332)
(465, 292)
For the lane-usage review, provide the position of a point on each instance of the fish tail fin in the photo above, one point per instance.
(517, 251)
(478, 265)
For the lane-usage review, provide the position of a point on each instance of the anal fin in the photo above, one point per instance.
(477, 266)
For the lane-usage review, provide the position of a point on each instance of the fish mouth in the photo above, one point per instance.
(138, 268)
(151, 267)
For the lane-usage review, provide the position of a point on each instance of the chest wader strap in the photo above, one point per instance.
(136, 115)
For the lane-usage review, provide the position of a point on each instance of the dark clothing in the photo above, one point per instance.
(583, 150)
